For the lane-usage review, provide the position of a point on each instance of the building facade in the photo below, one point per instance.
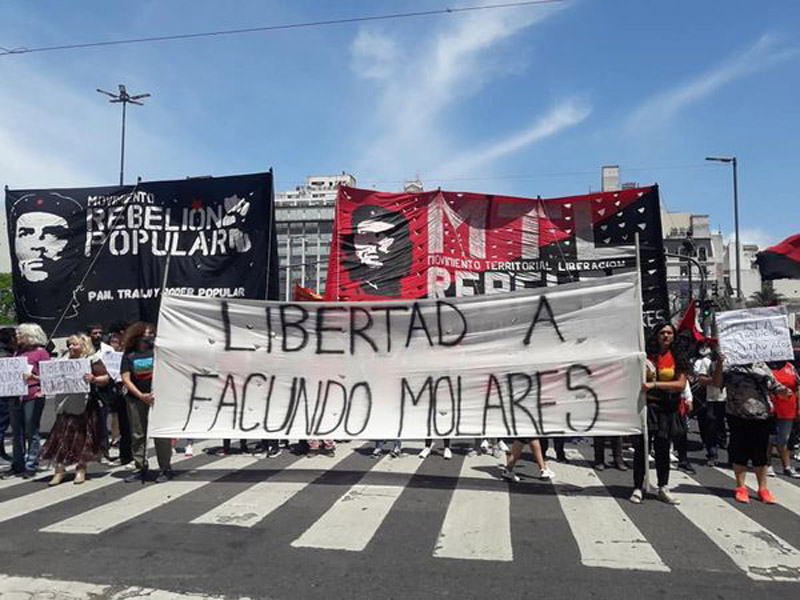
(689, 235)
(304, 223)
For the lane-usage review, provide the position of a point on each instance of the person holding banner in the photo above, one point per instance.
(137, 376)
(748, 409)
(26, 411)
(78, 436)
(668, 366)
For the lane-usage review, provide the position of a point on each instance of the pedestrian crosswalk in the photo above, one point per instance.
(608, 539)
(475, 524)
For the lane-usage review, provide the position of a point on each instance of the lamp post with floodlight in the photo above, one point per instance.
(123, 98)
(732, 160)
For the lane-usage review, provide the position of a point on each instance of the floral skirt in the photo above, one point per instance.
(77, 439)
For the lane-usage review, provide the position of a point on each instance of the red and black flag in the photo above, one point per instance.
(781, 261)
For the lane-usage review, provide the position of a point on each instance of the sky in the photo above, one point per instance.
(522, 101)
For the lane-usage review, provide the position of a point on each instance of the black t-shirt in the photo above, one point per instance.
(140, 366)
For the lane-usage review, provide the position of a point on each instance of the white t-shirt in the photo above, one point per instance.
(705, 366)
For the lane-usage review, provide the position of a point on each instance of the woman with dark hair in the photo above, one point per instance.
(137, 376)
(667, 370)
(748, 409)
(78, 436)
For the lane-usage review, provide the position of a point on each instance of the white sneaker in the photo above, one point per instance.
(502, 446)
(510, 475)
(426, 451)
(485, 446)
(771, 471)
(637, 496)
(666, 497)
(448, 454)
(546, 474)
(790, 472)
(188, 452)
(377, 453)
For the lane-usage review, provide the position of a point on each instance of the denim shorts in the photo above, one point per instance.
(783, 429)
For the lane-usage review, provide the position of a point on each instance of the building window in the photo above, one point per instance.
(684, 271)
(702, 254)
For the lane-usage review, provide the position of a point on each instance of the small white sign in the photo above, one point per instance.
(64, 376)
(754, 335)
(113, 362)
(12, 376)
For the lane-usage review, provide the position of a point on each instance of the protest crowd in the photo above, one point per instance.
(749, 410)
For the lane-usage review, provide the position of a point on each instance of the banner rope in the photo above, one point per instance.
(79, 286)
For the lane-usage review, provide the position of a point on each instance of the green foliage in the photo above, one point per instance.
(8, 315)
(766, 297)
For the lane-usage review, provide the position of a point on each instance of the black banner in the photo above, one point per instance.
(87, 255)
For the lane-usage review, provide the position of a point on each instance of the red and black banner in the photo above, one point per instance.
(444, 244)
(781, 261)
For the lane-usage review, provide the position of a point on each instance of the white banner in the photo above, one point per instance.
(552, 362)
(12, 380)
(754, 334)
(64, 376)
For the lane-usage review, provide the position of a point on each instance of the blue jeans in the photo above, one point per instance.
(26, 417)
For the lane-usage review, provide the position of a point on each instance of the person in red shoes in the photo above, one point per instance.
(748, 410)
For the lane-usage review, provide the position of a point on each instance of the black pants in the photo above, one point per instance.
(118, 407)
(429, 441)
(682, 442)
(559, 446)
(713, 430)
(226, 446)
(661, 447)
(600, 443)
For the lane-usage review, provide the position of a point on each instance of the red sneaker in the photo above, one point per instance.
(742, 495)
(766, 496)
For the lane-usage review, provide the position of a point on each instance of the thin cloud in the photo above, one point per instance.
(422, 81)
(660, 109)
(562, 116)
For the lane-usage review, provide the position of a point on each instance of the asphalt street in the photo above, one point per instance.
(355, 527)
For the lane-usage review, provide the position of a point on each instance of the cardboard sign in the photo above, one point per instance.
(64, 376)
(755, 334)
(12, 380)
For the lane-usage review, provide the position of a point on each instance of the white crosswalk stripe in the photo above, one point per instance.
(260, 500)
(353, 520)
(477, 525)
(761, 554)
(606, 537)
(47, 497)
(786, 494)
(144, 500)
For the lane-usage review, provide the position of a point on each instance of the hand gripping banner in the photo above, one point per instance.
(441, 244)
(558, 361)
(99, 254)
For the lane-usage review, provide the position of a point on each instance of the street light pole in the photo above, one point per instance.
(124, 98)
(732, 160)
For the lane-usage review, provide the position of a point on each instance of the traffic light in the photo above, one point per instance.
(708, 308)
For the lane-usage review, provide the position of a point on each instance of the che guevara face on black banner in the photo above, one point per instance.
(378, 253)
(44, 234)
